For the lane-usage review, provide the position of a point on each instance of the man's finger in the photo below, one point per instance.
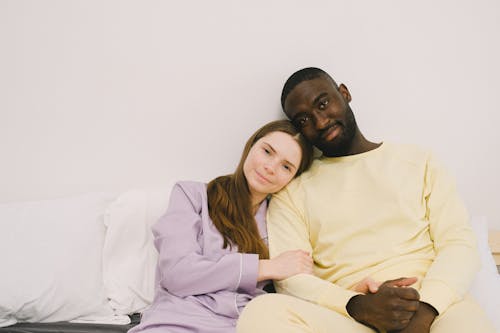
(401, 282)
(372, 285)
(409, 293)
(403, 306)
(367, 285)
(404, 282)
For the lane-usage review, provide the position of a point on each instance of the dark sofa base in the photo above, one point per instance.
(67, 327)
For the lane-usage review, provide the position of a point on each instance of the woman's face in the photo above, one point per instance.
(271, 164)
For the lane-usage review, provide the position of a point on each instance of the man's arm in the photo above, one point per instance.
(288, 229)
(457, 259)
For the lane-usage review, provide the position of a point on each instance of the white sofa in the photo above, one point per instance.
(90, 258)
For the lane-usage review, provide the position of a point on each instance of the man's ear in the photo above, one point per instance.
(345, 92)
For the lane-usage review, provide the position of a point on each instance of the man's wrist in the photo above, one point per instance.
(354, 307)
(426, 314)
(430, 307)
(356, 310)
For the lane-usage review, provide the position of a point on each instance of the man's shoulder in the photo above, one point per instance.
(302, 182)
(306, 176)
(407, 152)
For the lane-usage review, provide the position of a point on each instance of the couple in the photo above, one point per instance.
(373, 237)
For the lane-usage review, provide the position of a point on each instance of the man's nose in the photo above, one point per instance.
(320, 120)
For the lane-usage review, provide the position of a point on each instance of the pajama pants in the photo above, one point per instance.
(276, 313)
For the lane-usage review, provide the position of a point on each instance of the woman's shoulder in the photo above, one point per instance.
(191, 186)
(193, 191)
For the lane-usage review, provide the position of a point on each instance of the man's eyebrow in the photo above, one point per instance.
(320, 96)
(315, 101)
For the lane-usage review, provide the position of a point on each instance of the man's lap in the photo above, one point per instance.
(277, 313)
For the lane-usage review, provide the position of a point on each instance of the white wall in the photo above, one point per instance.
(109, 95)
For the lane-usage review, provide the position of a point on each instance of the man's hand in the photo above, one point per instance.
(367, 285)
(390, 308)
(422, 320)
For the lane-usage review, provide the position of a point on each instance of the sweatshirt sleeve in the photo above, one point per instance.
(288, 230)
(457, 258)
(184, 269)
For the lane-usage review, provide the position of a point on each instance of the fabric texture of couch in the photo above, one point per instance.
(86, 263)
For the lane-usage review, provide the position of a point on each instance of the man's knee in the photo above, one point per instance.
(464, 316)
(261, 311)
(264, 305)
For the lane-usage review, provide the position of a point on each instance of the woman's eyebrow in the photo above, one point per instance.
(274, 150)
(290, 164)
(269, 146)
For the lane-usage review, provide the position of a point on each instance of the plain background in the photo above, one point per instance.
(112, 95)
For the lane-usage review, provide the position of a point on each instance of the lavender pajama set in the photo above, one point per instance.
(200, 287)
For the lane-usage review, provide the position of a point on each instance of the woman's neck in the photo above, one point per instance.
(256, 201)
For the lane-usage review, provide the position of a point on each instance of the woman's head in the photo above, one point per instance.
(272, 157)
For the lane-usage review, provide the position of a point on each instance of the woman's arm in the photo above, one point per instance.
(285, 265)
(184, 270)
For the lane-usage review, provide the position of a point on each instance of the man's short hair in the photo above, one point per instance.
(304, 74)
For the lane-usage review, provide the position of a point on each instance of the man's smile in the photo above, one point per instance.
(331, 132)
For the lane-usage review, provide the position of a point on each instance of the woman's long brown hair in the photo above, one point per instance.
(229, 199)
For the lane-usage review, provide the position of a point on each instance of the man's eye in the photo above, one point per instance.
(302, 121)
(323, 104)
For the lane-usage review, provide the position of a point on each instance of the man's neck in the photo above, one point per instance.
(359, 145)
(363, 147)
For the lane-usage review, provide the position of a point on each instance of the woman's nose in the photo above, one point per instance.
(269, 167)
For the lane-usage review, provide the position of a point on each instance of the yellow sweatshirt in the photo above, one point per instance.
(388, 213)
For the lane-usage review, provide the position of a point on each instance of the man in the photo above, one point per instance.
(389, 212)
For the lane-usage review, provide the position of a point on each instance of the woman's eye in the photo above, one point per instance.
(267, 151)
(286, 167)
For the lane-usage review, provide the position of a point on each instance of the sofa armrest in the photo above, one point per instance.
(494, 243)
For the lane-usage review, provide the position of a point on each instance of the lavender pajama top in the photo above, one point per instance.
(200, 287)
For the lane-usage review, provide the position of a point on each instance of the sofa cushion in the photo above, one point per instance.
(129, 255)
(486, 286)
(52, 259)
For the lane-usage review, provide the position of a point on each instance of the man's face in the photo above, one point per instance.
(321, 111)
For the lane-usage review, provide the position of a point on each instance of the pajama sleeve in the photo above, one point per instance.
(183, 267)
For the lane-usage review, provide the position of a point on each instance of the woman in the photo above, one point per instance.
(212, 241)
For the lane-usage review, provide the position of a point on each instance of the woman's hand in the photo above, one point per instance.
(287, 264)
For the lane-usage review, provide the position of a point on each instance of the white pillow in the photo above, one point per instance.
(129, 255)
(486, 286)
(51, 259)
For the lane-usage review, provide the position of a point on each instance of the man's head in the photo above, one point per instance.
(320, 109)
